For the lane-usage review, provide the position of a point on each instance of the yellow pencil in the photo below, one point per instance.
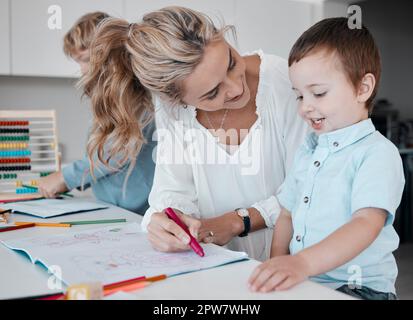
(45, 224)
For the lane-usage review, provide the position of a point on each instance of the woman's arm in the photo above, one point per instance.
(173, 186)
(283, 232)
(220, 230)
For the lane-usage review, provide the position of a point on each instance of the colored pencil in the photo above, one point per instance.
(157, 278)
(126, 285)
(27, 225)
(94, 221)
(136, 280)
(44, 224)
(121, 283)
(129, 287)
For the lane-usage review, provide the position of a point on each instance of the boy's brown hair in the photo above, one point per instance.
(80, 35)
(355, 48)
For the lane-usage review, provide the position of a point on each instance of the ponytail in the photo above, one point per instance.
(121, 106)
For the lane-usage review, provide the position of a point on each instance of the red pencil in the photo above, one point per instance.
(193, 243)
(27, 225)
(121, 283)
(125, 285)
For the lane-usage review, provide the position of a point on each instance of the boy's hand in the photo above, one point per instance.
(279, 273)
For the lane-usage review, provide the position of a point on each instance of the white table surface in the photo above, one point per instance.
(20, 278)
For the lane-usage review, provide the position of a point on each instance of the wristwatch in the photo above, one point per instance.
(245, 216)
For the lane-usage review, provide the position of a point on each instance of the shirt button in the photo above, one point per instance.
(298, 238)
(306, 199)
(317, 163)
(335, 144)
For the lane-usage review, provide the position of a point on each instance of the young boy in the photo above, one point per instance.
(340, 197)
(109, 184)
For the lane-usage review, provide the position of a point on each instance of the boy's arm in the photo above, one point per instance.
(283, 272)
(283, 232)
(345, 243)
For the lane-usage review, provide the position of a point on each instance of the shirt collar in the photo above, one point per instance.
(341, 138)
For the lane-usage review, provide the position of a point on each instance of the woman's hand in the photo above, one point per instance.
(220, 230)
(279, 273)
(166, 236)
(52, 185)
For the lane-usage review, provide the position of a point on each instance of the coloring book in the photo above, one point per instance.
(114, 253)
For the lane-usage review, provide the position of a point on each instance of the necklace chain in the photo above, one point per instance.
(222, 121)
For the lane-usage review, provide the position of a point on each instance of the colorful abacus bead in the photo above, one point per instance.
(15, 168)
(14, 138)
(14, 130)
(9, 176)
(15, 160)
(15, 153)
(44, 174)
(14, 146)
(25, 190)
(13, 123)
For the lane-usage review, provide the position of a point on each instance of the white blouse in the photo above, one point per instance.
(197, 175)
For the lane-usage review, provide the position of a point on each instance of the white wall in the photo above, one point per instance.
(4, 37)
(37, 49)
(271, 25)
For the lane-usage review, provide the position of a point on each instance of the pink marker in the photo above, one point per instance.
(193, 243)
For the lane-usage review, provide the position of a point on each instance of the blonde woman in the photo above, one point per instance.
(210, 101)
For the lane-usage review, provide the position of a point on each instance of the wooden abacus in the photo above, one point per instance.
(28, 151)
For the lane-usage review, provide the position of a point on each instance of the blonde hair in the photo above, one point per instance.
(80, 35)
(129, 62)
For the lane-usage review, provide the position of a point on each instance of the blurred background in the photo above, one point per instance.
(35, 73)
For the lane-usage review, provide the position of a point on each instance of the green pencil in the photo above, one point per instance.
(94, 221)
(35, 188)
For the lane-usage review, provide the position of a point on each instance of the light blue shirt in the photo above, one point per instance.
(109, 185)
(334, 175)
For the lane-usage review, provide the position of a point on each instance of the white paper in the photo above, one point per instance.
(115, 253)
(47, 208)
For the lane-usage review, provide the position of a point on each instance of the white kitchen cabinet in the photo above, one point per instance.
(4, 37)
(36, 49)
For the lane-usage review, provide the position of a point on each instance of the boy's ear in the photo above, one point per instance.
(366, 87)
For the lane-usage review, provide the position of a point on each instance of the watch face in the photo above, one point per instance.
(243, 212)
